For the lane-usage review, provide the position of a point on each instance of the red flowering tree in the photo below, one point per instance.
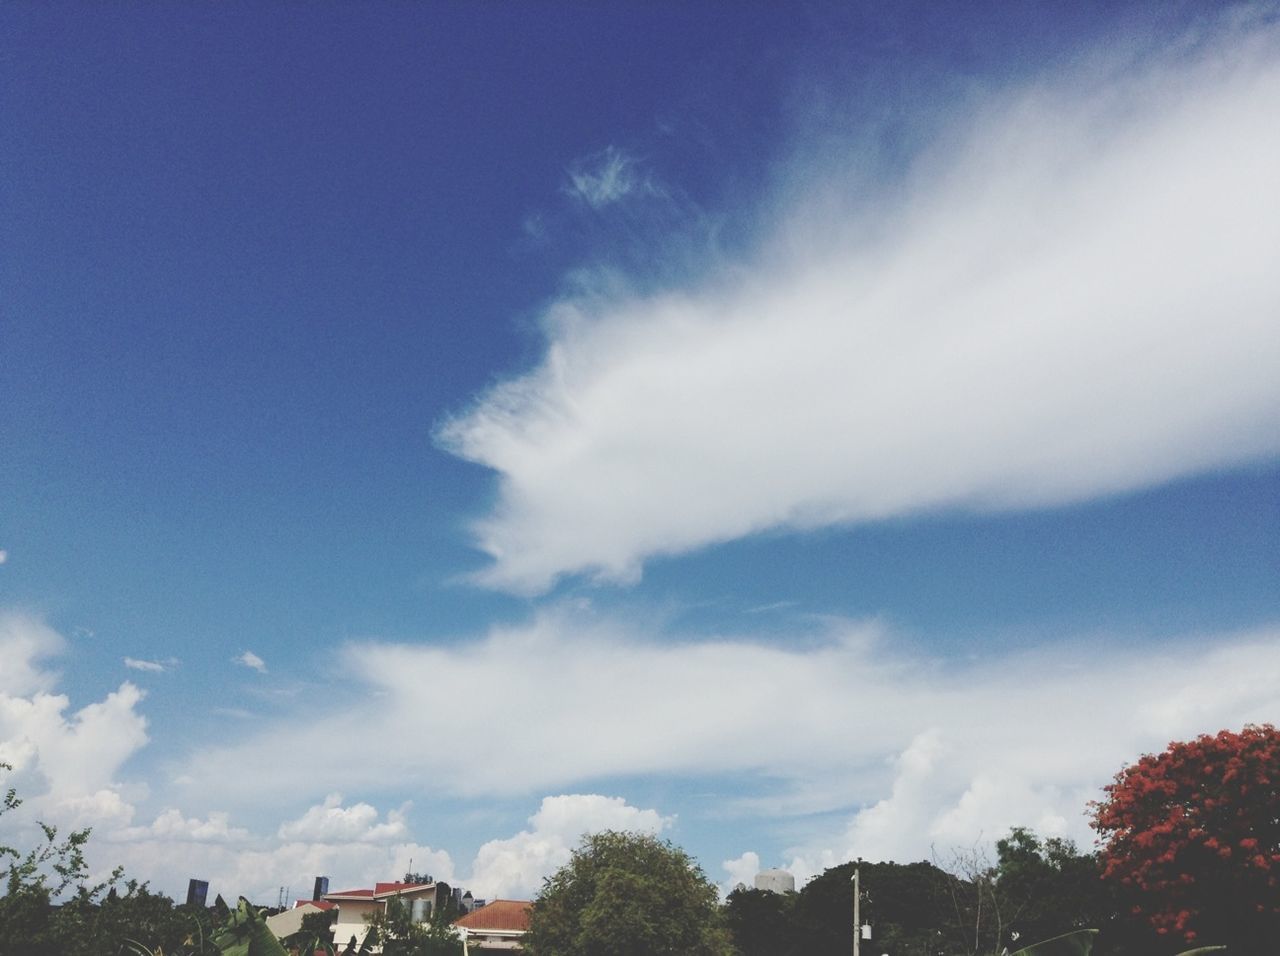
(1194, 832)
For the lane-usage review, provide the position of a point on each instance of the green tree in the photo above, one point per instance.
(1050, 888)
(762, 923)
(53, 870)
(134, 916)
(399, 935)
(906, 905)
(315, 934)
(627, 894)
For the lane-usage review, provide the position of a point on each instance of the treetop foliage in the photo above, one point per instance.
(1195, 831)
(627, 894)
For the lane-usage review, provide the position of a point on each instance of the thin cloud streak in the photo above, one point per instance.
(608, 177)
(1077, 300)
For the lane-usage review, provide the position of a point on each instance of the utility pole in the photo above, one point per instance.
(857, 922)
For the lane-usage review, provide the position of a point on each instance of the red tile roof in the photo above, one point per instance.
(319, 904)
(380, 889)
(511, 915)
(390, 889)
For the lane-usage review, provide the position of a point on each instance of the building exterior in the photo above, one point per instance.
(288, 922)
(356, 906)
(775, 881)
(497, 927)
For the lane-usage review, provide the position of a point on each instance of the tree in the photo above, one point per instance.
(1050, 888)
(49, 907)
(627, 894)
(1195, 832)
(29, 923)
(906, 905)
(762, 923)
(315, 934)
(979, 910)
(399, 935)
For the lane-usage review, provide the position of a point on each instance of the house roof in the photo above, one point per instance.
(318, 904)
(379, 891)
(350, 895)
(509, 915)
(392, 889)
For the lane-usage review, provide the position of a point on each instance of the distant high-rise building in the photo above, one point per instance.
(322, 887)
(197, 892)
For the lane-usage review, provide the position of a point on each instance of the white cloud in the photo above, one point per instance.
(103, 809)
(742, 870)
(914, 752)
(171, 826)
(946, 793)
(66, 764)
(151, 667)
(235, 713)
(331, 822)
(25, 642)
(259, 867)
(4, 556)
(1078, 299)
(70, 756)
(915, 749)
(252, 661)
(354, 849)
(514, 867)
(76, 755)
(608, 177)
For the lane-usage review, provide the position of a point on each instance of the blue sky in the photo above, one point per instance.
(430, 431)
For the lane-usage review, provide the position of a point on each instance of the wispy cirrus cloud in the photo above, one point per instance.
(1074, 297)
(150, 667)
(608, 177)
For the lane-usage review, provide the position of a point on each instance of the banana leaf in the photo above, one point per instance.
(1078, 943)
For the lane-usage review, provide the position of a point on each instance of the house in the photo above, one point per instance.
(356, 906)
(497, 927)
(287, 922)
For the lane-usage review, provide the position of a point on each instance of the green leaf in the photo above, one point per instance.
(1078, 943)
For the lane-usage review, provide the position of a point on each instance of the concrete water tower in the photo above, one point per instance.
(775, 881)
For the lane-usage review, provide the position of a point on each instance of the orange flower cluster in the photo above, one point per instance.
(1196, 830)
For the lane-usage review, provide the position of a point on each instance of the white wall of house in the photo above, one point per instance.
(351, 920)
